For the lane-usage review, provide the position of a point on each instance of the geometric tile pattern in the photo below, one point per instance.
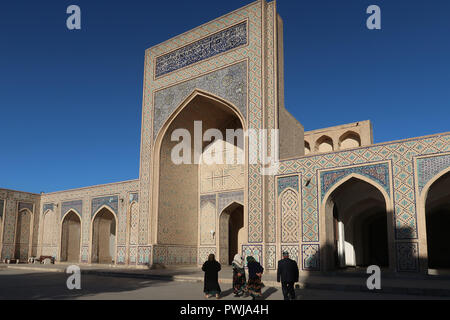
(175, 255)
(76, 205)
(48, 206)
(144, 254)
(121, 254)
(25, 205)
(134, 223)
(293, 252)
(311, 257)
(227, 198)
(428, 168)
(207, 220)
(290, 221)
(270, 121)
(203, 49)
(287, 182)
(254, 251)
(378, 172)
(132, 258)
(85, 254)
(134, 197)
(407, 257)
(271, 256)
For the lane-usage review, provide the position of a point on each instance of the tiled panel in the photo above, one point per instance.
(428, 168)
(208, 47)
(110, 201)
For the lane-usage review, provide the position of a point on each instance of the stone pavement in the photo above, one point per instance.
(409, 284)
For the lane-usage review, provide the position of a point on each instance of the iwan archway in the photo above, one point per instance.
(358, 219)
(231, 224)
(436, 197)
(104, 231)
(70, 237)
(176, 187)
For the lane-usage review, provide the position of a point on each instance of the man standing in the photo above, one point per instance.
(288, 275)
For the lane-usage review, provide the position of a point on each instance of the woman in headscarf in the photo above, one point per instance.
(255, 271)
(211, 269)
(238, 275)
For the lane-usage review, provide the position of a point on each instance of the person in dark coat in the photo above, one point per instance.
(288, 275)
(254, 284)
(211, 269)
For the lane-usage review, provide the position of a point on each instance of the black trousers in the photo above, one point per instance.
(288, 290)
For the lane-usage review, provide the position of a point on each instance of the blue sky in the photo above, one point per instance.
(71, 101)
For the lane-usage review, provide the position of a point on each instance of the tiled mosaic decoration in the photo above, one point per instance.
(430, 167)
(227, 198)
(290, 221)
(110, 201)
(207, 219)
(252, 251)
(85, 254)
(69, 205)
(203, 49)
(400, 154)
(48, 206)
(25, 205)
(144, 254)
(270, 119)
(170, 255)
(287, 182)
(271, 257)
(229, 83)
(203, 254)
(293, 251)
(121, 254)
(132, 254)
(134, 197)
(134, 223)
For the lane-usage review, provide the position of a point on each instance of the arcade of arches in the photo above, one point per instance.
(70, 237)
(180, 218)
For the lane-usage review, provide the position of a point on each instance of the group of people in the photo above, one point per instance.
(288, 274)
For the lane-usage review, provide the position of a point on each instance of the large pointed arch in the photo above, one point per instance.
(289, 233)
(231, 228)
(434, 217)
(217, 104)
